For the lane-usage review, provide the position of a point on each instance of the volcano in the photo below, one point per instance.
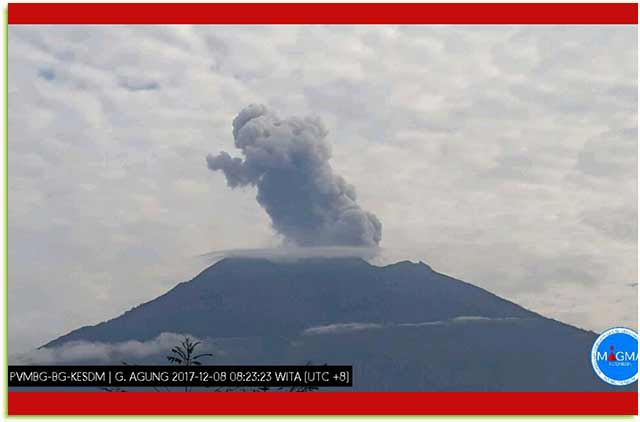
(403, 327)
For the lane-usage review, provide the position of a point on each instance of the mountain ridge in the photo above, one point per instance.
(403, 326)
(316, 261)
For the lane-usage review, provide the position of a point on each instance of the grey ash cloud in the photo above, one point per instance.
(288, 161)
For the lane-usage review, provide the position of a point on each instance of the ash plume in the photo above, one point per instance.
(288, 162)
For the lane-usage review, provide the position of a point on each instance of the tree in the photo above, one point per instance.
(184, 354)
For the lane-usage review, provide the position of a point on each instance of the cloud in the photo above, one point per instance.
(140, 85)
(610, 154)
(46, 73)
(288, 161)
(341, 328)
(288, 253)
(77, 352)
(617, 223)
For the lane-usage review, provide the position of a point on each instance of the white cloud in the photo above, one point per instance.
(78, 352)
(348, 327)
(289, 253)
(341, 328)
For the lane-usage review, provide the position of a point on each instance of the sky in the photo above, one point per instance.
(503, 156)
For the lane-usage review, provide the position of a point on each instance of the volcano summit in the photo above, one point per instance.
(404, 327)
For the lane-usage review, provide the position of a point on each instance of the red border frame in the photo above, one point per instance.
(325, 403)
(322, 403)
(323, 13)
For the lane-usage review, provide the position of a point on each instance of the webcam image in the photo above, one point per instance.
(313, 208)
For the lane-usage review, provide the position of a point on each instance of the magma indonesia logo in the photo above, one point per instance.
(614, 356)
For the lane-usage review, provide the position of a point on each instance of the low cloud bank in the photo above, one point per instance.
(78, 352)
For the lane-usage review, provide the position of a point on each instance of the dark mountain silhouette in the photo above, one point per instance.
(403, 326)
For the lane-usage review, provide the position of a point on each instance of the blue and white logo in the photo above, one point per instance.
(614, 356)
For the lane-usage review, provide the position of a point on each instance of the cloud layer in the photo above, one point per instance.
(284, 253)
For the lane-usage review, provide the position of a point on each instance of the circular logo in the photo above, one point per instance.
(614, 356)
